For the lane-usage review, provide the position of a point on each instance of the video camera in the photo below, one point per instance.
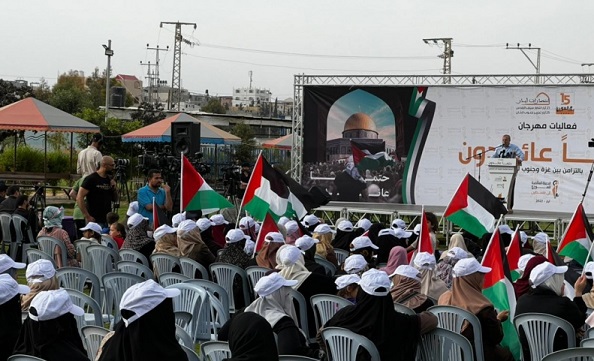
(169, 164)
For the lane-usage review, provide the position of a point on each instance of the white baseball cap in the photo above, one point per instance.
(310, 220)
(523, 237)
(186, 226)
(92, 226)
(178, 218)
(135, 220)
(362, 242)
(132, 209)
(589, 270)
(7, 263)
(218, 219)
(204, 224)
(274, 237)
(270, 283)
(387, 232)
(345, 226)
(543, 272)
(53, 304)
(289, 255)
(425, 260)
(417, 229)
(407, 271)
(235, 235)
(306, 242)
(323, 229)
(355, 264)
(523, 261)
(141, 298)
(291, 227)
(39, 271)
(457, 253)
(283, 220)
(9, 288)
(163, 230)
(249, 246)
(504, 228)
(374, 279)
(467, 266)
(246, 222)
(401, 233)
(398, 223)
(541, 237)
(346, 280)
(363, 223)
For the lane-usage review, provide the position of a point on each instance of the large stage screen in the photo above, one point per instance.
(414, 145)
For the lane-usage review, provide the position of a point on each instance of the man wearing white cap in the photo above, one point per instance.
(10, 313)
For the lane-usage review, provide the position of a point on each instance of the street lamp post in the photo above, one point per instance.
(109, 54)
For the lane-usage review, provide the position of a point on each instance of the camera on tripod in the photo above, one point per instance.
(120, 168)
(231, 179)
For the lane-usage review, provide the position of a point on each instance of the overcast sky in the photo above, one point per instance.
(40, 38)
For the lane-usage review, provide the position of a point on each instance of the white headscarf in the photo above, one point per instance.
(292, 271)
(275, 306)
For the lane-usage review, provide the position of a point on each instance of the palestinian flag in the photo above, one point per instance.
(577, 239)
(269, 225)
(159, 216)
(552, 256)
(498, 288)
(474, 208)
(425, 244)
(368, 155)
(196, 194)
(514, 252)
(267, 192)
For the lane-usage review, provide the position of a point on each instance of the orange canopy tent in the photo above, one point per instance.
(285, 142)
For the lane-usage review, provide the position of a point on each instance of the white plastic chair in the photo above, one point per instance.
(92, 337)
(571, 354)
(398, 307)
(183, 337)
(116, 283)
(587, 342)
(48, 244)
(328, 266)
(24, 358)
(5, 223)
(164, 263)
(190, 354)
(215, 350)
(254, 273)
(441, 344)
(215, 289)
(18, 222)
(135, 268)
(103, 259)
(341, 255)
(540, 330)
(302, 313)
(92, 318)
(190, 266)
(343, 344)
(182, 318)
(76, 279)
(109, 242)
(194, 300)
(326, 306)
(35, 255)
(224, 274)
(295, 358)
(81, 249)
(170, 278)
(133, 256)
(452, 318)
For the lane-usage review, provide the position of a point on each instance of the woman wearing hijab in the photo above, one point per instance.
(251, 338)
(190, 244)
(307, 245)
(443, 270)
(539, 242)
(50, 331)
(348, 286)
(431, 285)
(395, 335)
(457, 240)
(397, 258)
(41, 276)
(206, 235)
(146, 331)
(10, 313)
(233, 253)
(218, 230)
(387, 240)
(522, 284)
(406, 289)
(547, 297)
(344, 235)
(137, 237)
(467, 293)
(52, 227)
(324, 248)
(166, 240)
(267, 256)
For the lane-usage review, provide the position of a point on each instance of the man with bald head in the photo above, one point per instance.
(99, 189)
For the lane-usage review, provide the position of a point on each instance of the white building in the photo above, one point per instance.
(249, 97)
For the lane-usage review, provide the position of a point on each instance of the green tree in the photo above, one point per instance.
(70, 94)
(244, 152)
(57, 141)
(214, 106)
(43, 92)
(10, 93)
(148, 113)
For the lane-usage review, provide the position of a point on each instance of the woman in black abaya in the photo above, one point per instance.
(251, 338)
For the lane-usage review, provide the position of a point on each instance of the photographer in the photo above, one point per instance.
(244, 178)
(154, 189)
(99, 189)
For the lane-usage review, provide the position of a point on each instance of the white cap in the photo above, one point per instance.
(363, 223)
(523, 237)
(53, 304)
(289, 255)
(425, 260)
(283, 220)
(417, 229)
(504, 228)
(186, 226)
(345, 226)
(291, 227)
(523, 261)
(467, 266)
(257, 227)
(306, 242)
(132, 209)
(374, 279)
(343, 281)
(398, 223)
(178, 218)
(387, 232)
(457, 253)
(204, 224)
(543, 272)
(407, 271)
(355, 263)
(246, 222)
(217, 220)
(274, 237)
(270, 283)
(401, 233)
(141, 298)
(135, 220)
(541, 237)
(589, 270)
(362, 242)
(39, 271)
(92, 226)
(163, 230)
(235, 235)
(249, 246)
(9, 288)
(323, 229)
(310, 220)
(7, 263)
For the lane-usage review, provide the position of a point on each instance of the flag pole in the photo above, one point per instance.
(492, 235)
(181, 184)
(258, 237)
(246, 188)
(421, 232)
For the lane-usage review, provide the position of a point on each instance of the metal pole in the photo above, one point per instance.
(109, 54)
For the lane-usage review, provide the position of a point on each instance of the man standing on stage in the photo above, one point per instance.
(508, 150)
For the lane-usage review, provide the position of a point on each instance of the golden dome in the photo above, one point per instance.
(359, 121)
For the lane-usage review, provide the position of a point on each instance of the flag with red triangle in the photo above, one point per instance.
(425, 244)
(514, 252)
(159, 215)
(196, 194)
(269, 225)
(577, 239)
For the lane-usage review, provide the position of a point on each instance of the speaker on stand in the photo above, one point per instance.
(185, 139)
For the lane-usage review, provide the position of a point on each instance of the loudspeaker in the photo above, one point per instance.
(118, 97)
(185, 137)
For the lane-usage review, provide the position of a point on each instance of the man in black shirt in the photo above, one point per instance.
(10, 203)
(24, 211)
(100, 190)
